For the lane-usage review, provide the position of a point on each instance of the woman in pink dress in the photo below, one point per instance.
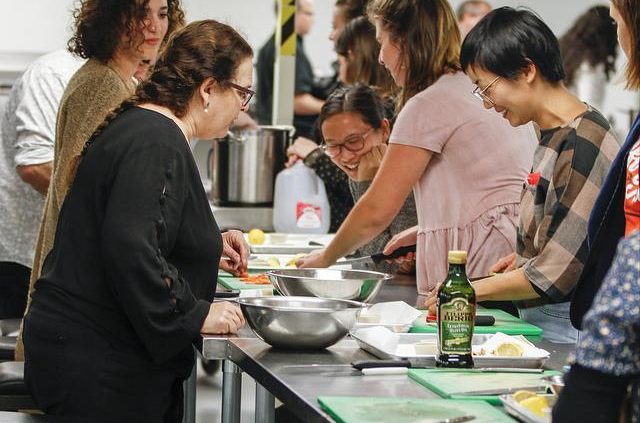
(466, 167)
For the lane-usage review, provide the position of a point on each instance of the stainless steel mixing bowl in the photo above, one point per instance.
(300, 322)
(357, 285)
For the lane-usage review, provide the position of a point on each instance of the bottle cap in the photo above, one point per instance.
(457, 257)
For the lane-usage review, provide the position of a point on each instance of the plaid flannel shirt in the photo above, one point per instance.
(569, 166)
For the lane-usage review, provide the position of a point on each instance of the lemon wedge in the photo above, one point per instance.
(519, 396)
(273, 262)
(537, 405)
(256, 237)
(509, 349)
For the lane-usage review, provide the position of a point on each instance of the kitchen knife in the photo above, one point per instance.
(378, 257)
(491, 392)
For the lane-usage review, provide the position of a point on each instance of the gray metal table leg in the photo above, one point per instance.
(231, 392)
(265, 405)
(189, 388)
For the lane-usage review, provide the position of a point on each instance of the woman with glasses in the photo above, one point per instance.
(355, 131)
(128, 285)
(514, 60)
(465, 178)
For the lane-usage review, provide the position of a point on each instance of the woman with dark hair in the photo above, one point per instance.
(355, 131)
(358, 52)
(466, 197)
(115, 36)
(514, 61)
(589, 51)
(344, 11)
(126, 289)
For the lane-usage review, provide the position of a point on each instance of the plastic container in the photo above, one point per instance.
(300, 203)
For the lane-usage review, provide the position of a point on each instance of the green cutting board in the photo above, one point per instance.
(505, 323)
(407, 410)
(232, 282)
(451, 383)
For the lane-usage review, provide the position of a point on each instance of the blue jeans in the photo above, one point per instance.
(554, 321)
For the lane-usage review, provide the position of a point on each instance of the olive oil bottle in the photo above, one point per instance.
(456, 311)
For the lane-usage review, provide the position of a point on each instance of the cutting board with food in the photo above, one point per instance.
(472, 384)
(504, 322)
(253, 280)
(409, 410)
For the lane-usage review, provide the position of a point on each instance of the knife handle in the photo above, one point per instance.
(402, 251)
(371, 364)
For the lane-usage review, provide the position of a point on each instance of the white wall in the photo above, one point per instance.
(32, 27)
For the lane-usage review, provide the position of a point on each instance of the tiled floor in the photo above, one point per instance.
(209, 398)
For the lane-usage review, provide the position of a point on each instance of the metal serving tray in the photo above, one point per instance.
(406, 351)
(514, 408)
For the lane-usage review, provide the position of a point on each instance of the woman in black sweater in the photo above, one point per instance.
(127, 288)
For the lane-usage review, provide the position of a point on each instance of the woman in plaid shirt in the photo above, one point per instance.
(514, 60)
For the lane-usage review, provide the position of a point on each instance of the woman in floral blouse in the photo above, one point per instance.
(607, 363)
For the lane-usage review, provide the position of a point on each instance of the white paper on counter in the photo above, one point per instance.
(379, 337)
(498, 338)
(390, 313)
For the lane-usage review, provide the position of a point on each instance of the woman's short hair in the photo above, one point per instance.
(100, 25)
(630, 12)
(358, 45)
(506, 41)
(428, 36)
(358, 98)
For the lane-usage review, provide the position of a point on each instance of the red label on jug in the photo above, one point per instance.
(308, 216)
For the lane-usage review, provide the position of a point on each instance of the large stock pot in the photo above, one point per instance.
(244, 165)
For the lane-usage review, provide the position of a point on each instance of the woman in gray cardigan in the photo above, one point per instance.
(355, 131)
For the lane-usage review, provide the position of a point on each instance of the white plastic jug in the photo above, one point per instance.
(300, 203)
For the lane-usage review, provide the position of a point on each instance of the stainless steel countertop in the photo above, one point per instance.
(299, 386)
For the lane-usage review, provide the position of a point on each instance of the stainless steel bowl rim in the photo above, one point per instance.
(356, 304)
(283, 273)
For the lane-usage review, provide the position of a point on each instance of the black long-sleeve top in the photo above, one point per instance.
(136, 216)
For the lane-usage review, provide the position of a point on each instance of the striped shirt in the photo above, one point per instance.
(569, 166)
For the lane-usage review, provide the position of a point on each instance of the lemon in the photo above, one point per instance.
(509, 349)
(273, 262)
(537, 405)
(256, 237)
(519, 396)
(292, 262)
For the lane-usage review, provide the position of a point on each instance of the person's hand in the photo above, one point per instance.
(430, 302)
(236, 249)
(407, 267)
(314, 259)
(299, 150)
(244, 121)
(370, 163)
(505, 264)
(223, 317)
(402, 239)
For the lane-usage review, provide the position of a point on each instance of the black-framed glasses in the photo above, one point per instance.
(480, 93)
(353, 143)
(245, 93)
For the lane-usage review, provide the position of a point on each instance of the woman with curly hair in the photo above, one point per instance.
(115, 36)
(128, 285)
(589, 51)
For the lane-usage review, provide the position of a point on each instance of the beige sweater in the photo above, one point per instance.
(91, 94)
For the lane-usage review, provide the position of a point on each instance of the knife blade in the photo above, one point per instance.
(461, 419)
(378, 257)
(501, 391)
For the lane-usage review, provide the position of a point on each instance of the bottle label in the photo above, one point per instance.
(308, 216)
(456, 322)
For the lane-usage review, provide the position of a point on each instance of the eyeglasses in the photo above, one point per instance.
(353, 143)
(245, 93)
(480, 93)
